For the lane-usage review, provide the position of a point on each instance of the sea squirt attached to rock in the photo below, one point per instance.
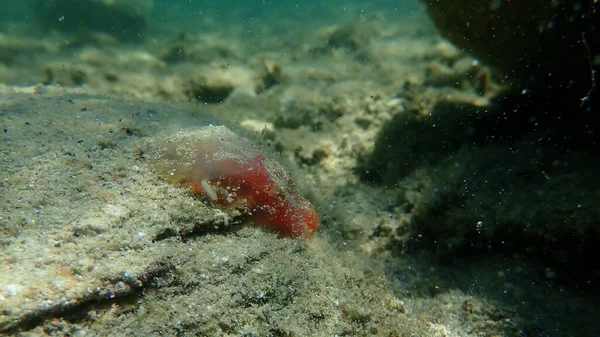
(233, 173)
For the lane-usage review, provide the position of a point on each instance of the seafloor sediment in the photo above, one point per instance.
(384, 126)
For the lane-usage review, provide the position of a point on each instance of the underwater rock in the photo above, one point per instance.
(474, 183)
(213, 84)
(423, 136)
(345, 36)
(514, 199)
(211, 92)
(354, 35)
(272, 75)
(301, 107)
(198, 49)
(552, 44)
(126, 20)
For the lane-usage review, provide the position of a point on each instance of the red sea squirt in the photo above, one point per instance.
(233, 173)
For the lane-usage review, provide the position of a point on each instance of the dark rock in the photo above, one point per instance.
(543, 46)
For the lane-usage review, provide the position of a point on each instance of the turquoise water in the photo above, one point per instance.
(250, 15)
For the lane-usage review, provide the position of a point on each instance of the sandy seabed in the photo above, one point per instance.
(95, 243)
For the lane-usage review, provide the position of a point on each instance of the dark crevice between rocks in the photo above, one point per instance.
(567, 258)
(209, 94)
(409, 142)
(216, 227)
(568, 134)
(124, 291)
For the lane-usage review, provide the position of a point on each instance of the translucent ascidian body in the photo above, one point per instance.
(233, 173)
